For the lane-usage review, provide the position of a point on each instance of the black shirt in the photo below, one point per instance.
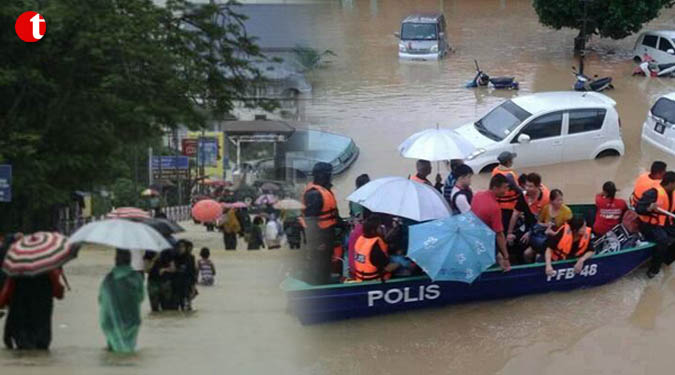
(378, 257)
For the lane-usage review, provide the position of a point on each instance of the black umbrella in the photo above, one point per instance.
(164, 226)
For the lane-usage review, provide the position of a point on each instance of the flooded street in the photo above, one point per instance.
(368, 94)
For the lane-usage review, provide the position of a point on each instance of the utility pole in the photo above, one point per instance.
(149, 166)
(582, 52)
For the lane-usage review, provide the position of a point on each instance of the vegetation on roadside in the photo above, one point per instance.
(614, 19)
(107, 79)
(310, 58)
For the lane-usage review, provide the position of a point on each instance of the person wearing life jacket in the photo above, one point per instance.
(655, 225)
(647, 181)
(461, 195)
(423, 168)
(524, 218)
(371, 260)
(322, 220)
(508, 201)
(572, 240)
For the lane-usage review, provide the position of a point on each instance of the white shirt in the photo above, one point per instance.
(461, 202)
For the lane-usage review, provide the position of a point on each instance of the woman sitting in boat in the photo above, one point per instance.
(572, 240)
(371, 260)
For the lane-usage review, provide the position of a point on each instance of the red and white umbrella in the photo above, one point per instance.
(38, 253)
(128, 213)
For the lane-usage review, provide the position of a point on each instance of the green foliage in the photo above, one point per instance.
(124, 194)
(108, 78)
(614, 19)
(309, 58)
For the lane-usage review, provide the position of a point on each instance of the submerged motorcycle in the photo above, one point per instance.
(650, 68)
(584, 83)
(482, 80)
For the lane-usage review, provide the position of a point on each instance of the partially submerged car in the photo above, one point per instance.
(659, 126)
(423, 37)
(546, 128)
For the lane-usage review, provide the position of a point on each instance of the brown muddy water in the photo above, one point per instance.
(240, 325)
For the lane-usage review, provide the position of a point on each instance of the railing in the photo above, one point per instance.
(67, 226)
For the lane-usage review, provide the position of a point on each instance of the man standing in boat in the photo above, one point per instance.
(647, 181)
(322, 220)
(508, 201)
(656, 225)
(485, 205)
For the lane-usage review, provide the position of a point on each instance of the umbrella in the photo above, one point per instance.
(207, 210)
(128, 213)
(122, 234)
(217, 182)
(38, 253)
(457, 248)
(289, 204)
(235, 205)
(401, 197)
(435, 145)
(269, 186)
(149, 193)
(266, 199)
(164, 226)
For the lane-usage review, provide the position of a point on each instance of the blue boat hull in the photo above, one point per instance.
(315, 304)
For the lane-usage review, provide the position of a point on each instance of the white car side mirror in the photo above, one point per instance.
(397, 34)
(671, 51)
(523, 139)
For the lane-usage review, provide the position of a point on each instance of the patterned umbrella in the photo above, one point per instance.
(128, 213)
(38, 253)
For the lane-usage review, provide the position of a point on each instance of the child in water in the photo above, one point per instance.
(207, 270)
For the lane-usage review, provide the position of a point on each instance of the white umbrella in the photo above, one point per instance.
(402, 197)
(122, 234)
(435, 145)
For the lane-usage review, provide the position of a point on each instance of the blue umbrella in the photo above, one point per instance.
(457, 248)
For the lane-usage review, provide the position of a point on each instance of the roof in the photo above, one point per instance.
(668, 33)
(561, 100)
(257, 127)
(423, 17)
(279, 26)
(670, 96)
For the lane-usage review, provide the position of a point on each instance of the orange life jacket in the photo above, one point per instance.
(541, 201)
(421, 181)
(642, 184)
(663, 202)
(363, 268)
(508, 200)
(564, 247)
(328, 215)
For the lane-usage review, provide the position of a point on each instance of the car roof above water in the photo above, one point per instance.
(667, 33)
(423, 18)
(562, 100)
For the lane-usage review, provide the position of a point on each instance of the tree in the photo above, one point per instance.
(614, 19)
(108, 76)
(309, 58)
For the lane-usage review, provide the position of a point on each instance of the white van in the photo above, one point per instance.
(659, 44)
(423, 37)
(659, 127)
(546, 128)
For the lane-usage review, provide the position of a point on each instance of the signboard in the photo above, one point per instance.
(170, 167)
(210, 153)
(189, 146)
(5, 183)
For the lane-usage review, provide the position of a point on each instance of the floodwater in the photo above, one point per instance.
(240, 325)
(368, 94)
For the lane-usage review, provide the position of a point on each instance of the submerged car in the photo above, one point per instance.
(423, 37)
(546, 128)
(307, 147)
(659, 126)
(658, 44)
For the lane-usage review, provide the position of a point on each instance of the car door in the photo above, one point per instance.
(545, 143)
(649, 45)
(583, 133)
(664, 47)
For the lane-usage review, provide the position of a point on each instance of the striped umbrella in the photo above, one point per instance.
(128, 213)
(38, 253)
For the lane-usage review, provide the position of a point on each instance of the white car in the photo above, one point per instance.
(659, 127)
(657, 44)
(546, 128)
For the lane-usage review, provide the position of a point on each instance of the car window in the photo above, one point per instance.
(546, 126)
(650, 41)
(664, 109)
(664, 45)
(586, 120)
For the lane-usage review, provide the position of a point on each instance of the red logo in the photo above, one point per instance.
(30, 27)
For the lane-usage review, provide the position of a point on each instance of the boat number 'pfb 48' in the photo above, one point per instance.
(405, 295)
(568, 273)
